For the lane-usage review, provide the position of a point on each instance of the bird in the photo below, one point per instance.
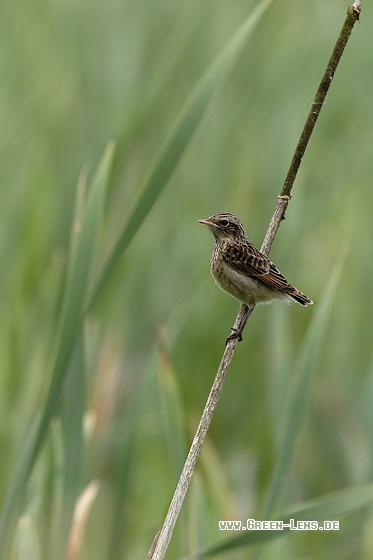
(242, 271)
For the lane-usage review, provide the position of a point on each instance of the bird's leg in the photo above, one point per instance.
(237, 333)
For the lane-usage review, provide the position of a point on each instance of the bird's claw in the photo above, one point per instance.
(237, 333)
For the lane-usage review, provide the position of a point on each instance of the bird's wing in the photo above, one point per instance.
(247, 260)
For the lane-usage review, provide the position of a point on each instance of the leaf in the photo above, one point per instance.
(27, 545)
(172, 409)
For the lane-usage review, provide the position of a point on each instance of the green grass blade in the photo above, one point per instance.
(174, 427)
(327, 508)
(80, 263)
(172, 410)
(137, 407)
(177, 142)
(72, 436)
(27, 545)
(298, 396)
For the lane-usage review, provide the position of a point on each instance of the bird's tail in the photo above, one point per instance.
(300, 298)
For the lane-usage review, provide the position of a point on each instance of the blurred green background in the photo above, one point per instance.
(78, 74)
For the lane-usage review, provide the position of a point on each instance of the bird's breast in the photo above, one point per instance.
(245, 288)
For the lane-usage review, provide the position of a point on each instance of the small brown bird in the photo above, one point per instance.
(244, 272)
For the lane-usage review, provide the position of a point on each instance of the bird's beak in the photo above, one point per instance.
(206, 222)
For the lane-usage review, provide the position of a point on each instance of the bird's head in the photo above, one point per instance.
(225, 226)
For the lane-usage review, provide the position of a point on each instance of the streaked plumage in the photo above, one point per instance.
(241, 270)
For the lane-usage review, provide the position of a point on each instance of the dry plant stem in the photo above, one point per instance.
(162, 539)
(154, 544)
(81, 512)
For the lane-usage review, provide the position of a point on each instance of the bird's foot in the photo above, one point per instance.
(237, 333)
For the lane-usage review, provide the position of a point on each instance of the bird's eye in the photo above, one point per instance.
(224, 223)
